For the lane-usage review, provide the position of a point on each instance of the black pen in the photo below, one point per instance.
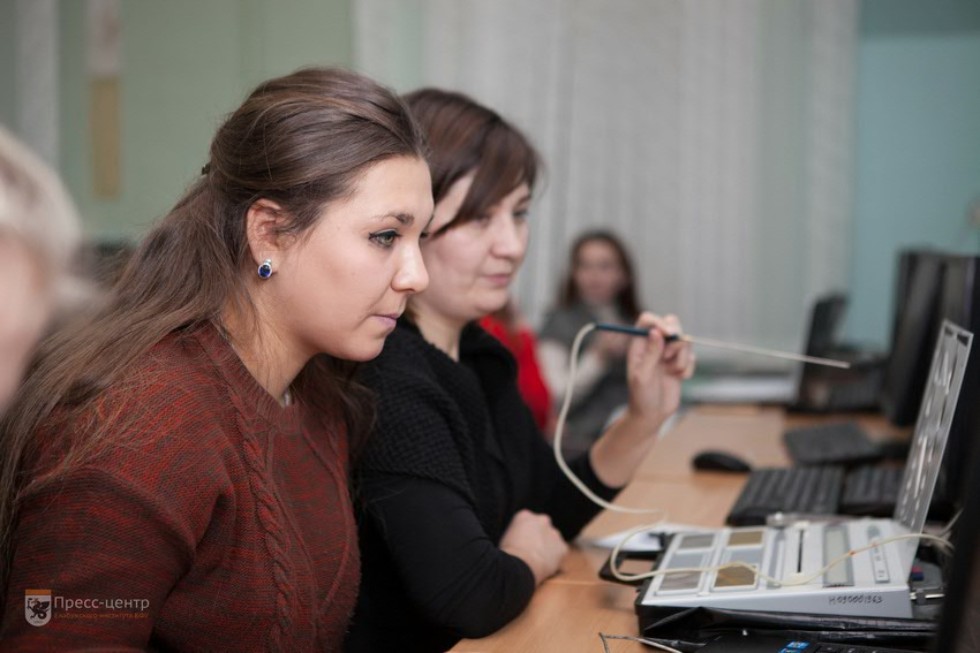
(633, 331)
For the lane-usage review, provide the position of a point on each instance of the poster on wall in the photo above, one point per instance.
(104, 63)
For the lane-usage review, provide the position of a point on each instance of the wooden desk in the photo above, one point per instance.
(569, 610)
(750, 432)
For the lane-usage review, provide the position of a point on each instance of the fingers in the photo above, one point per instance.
(688, 371)
(677, 356)
(645, 353)
(532, 538)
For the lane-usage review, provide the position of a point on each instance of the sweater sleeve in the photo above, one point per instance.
(452, 571)
(109, 553)
(570, 510)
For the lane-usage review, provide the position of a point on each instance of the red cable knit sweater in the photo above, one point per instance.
(227, 516)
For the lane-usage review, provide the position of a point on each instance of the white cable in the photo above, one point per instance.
(948, 528)
(641, 640)
(560, 427)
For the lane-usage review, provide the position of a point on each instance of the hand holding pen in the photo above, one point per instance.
(655, 367)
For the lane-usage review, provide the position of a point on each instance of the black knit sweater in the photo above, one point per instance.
(454, 457)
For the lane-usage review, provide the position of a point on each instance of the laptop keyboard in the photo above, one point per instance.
(871, 490)
(825, 490)
(813, 490)
(836, 443)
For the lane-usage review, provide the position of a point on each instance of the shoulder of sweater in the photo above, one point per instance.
(173, 393)
(174, 369)
(405, 352)
(407, 355)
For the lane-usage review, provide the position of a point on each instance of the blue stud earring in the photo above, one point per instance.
(265, 270)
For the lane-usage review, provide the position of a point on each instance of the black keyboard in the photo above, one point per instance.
(814, 490)
(836, 443)
(871, 490)
(822, 490)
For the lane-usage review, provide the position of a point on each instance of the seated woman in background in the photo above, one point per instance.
(598, 287)
(465, 510)
(509, 327)
(39, 234)
(180, 460)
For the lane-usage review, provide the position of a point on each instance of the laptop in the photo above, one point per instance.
(870, 583)
(959, 621)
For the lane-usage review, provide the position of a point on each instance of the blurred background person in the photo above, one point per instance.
(39, 235)
(599, 286)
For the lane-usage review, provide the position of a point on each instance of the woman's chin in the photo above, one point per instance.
(494, 302)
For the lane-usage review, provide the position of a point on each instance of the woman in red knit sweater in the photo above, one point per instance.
(508, 326)
(169, 481)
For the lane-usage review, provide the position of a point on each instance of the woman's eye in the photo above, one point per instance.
(521, 214)
(385, 238)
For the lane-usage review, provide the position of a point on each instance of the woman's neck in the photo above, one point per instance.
(441, 331)
(268, 357)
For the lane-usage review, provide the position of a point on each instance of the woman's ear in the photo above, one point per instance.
(264, 222)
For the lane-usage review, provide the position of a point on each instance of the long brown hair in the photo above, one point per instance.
(464, 136)
(301, 141)
(625, 299)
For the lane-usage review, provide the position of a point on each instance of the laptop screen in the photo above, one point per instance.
(936, 411)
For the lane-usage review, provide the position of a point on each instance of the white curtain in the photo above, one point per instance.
(715, 137)
(36, 76)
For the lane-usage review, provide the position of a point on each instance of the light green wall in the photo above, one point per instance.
(7, 115)
(186, 64)
(918, 145)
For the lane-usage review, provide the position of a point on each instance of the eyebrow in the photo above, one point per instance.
(404, 218)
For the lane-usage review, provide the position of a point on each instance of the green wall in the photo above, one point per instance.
(918, 145)
(185, 65)
(7, 115)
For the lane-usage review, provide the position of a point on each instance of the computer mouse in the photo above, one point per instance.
(720, 461)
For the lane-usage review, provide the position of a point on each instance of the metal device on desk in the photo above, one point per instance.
(785, 569)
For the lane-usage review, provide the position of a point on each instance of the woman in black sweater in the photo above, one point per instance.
(464, 510)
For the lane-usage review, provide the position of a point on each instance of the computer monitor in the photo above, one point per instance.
(914, 335)
(825, 319)
(959, 627)
(827, 389)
